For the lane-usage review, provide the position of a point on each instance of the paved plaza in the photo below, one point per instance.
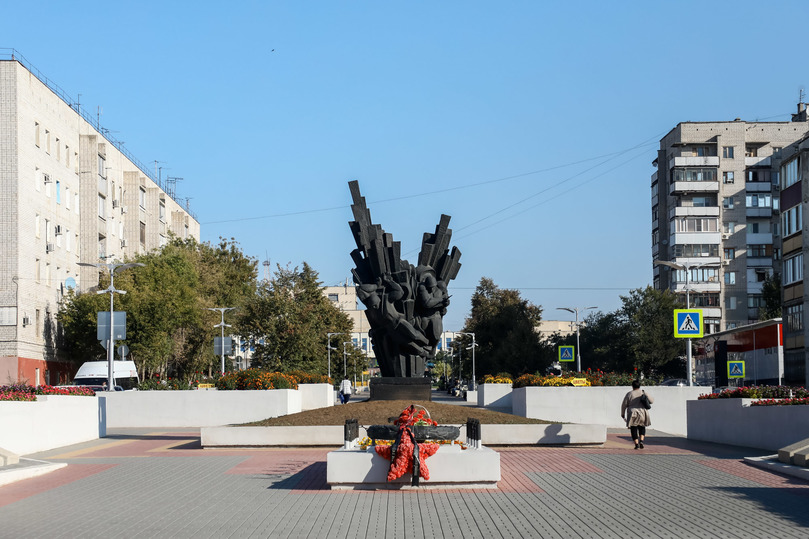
(163, 484)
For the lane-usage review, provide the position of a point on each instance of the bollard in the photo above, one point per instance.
(351, 432)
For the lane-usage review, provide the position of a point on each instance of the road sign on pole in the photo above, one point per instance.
(735, 369)
(688, 323)
(567, 353)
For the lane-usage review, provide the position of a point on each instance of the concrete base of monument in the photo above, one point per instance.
(394, 388)
(451, 467)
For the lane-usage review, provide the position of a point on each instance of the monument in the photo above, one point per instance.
(405, 304)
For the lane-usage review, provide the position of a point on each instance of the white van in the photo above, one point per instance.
(95, 373)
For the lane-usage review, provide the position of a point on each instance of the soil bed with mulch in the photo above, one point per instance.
(379, 413)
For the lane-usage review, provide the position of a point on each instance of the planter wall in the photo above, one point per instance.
(127, 409)
(735, 422)
(315, 396)
(602, 405)
(494, 395)
(50, 422)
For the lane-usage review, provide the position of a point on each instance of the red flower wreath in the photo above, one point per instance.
(402, 462)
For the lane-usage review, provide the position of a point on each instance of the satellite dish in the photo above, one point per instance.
(70, 283)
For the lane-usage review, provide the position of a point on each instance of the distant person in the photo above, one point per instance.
(345, 390)
(637, 417)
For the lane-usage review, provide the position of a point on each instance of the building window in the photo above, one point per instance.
(753, 228)
(727, 152)
(102, 167)
(37, 225)
(793, 269)
(67, 240)
(792, 220)
(67, 197)
(47, 142)
(333, 297)
(705, 299)
(730, 253)
(76, 201)
(729, 227)
(794, 318)
(38, 270)
(727, 203)
(697, 224)
(759, 201)
(58, 192)
(102, 205)
(695, 250)
(751, 151)
(58, 150)
(36, 133)
(143, 234)
(730, 277)
(694, 175)
(702, 151)
(727, 177)
(697, 275)
(67, 156)
(789, 174)
(755, 301)
(759, 251)
(731, 302)
(162, 212)
(142, 197)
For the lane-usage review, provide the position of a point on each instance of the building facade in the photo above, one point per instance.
(69, 194)
(794, 197)
(715, 211)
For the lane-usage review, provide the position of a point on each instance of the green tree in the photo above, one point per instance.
(648, 319)
(771, 295)
(289, 318)
(605, 343)
(504, 326)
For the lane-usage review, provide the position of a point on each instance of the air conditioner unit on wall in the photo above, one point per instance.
(49, 247)
(26, 321)
(726, 262)
(57, 230)
(115, 204)
(123, 243)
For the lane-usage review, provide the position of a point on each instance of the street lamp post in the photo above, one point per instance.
(329, 348)
(687, 269)
(474, 380)
(222, 325)
(113, 267)
(575, 310)
(345, 368)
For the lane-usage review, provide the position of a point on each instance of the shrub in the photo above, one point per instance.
(256, 379)
(309, 378)
(489, 379)
(24, 392)
(594, 378)
(759, 392)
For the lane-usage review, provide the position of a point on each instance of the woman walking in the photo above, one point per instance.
(636, 415)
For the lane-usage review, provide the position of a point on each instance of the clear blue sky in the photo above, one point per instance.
(533, 125)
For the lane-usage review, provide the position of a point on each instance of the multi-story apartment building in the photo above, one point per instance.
(69, 194)
(794, 197)
(715, 211)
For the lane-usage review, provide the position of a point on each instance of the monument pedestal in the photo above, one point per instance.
(390, 388)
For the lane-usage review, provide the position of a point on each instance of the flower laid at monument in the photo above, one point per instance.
(408, 453)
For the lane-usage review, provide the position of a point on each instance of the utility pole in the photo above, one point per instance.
(474, 380)
(328, 346)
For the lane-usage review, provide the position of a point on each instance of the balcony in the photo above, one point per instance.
(759, 238)
(759, 261)
(694, 211)
(697, 287)
(699, 238)
(758, 187)
(759, 212)
(704, 161)
(757, 161)
(694, 187)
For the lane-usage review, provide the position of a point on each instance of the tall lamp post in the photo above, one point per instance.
(222, 325)
(687, 269)
(329, 348)
(575, 310)
(113, 267)
(345, 369)
(474, 380)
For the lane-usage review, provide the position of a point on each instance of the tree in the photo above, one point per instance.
(504, 327)
(605, 343)
(771, 296)
(289, 318)
(647, 315)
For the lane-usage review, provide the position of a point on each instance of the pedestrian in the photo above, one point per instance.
(636, 415)
(345, 390)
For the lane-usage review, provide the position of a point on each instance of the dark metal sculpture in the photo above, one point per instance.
(405, 304)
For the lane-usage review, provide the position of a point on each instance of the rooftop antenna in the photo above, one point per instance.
(801, 95)
(187, 203)
(171, 185)
(99, 110)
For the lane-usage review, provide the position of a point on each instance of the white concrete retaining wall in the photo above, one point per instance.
(735, 422)
(50, 422)
(494, 395)
(126, 409)
(315, 396)
(602, 405)
(332, 435)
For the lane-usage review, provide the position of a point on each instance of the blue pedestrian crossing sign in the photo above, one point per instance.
(687, 323)
(735, 369)
(566, 353)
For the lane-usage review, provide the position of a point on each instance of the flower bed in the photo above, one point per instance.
(595, 378)
(779, 395)
(22, 392)
(499, 379)
(256, 379)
